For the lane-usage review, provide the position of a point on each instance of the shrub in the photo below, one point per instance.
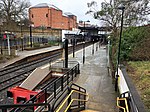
(52, 43)
(36, 45)
(135, 39)
(134, 44)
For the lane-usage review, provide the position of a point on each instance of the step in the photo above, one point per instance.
(89, 111)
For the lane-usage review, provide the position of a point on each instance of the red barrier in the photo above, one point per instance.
(21, 95)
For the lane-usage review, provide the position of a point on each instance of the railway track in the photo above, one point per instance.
(17, 74)
(19, 71)
(13, 75)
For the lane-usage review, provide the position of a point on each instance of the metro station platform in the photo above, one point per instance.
(95, 79)
(23, 54)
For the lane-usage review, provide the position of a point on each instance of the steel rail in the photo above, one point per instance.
(29, 67)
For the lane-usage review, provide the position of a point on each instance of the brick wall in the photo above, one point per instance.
(51, 17)
(65, 23)
(56, 18)
(39, 16)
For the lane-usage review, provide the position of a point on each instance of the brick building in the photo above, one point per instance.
(47, 15)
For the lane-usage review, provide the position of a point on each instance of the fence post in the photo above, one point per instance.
(69, 99)
(67, 78)
(50, 65)
(4, 110)
(79, 98)
(84, 99)
(72, 74)
(49, 108)
(62, 83)
(55, 89)
(75, 71)
(45, 95)
(78, 68)
(33, 106)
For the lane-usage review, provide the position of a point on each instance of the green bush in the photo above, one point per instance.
(132, 40)
(36, 45)
(52, 43)
(134, 45)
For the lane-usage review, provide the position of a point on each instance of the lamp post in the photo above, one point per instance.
(73, 46)
(122, 8)
(108, 50)
(1, 39)
(8, 41)
(15, 43)
(84, 40)
(21, 24)
(31, 25)
(93, 46)
(66, 52)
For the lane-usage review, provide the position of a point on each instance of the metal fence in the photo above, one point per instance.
(49, 92)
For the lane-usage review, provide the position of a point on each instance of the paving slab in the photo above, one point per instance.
(95, 79)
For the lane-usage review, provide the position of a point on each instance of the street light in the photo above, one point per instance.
(84, 40)
(21, 24)
(66, 52)
(6, 35)
(73, 45)
(1, 38)
(31, 25)
(122, 8)
(93, 46)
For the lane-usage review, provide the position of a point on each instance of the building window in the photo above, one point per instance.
(32, 16)
(46, 15)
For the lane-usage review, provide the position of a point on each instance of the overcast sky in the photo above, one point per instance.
(77, 7)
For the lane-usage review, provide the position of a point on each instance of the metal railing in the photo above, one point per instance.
(74, 98)
(126, 103)
(129, 100)
(31, 106)
(124, 107)
(53, 88)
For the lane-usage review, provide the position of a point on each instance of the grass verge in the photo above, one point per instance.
(139, 71)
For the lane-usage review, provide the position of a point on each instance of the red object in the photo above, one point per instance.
(21, 95)
(4, 36)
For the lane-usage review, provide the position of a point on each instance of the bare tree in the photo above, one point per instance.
(108, 14)
(135, 13)
(13, 10)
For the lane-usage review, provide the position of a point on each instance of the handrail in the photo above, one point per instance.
(72, 100)
(5, 107)
(53, 83)
(43, 89)
(126, 86)
(125, 109)
(78, 86)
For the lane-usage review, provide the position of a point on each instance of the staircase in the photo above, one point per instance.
(74, 101)
(89, 111)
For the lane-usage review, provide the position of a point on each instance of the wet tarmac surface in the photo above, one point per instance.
(95, 79)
